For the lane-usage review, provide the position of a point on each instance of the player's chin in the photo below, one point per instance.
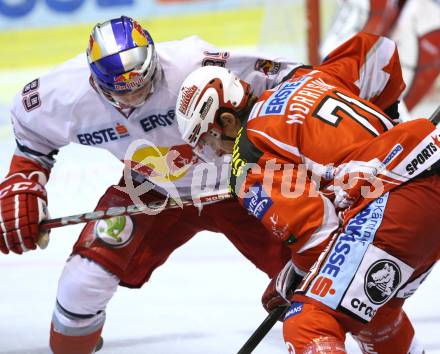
(132, 104)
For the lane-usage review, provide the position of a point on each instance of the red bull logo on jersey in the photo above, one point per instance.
(162, 164)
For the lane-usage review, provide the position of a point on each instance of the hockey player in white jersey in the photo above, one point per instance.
(120, 96)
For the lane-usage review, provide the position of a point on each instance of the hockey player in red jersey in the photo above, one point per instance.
(345, 185)
(413, 24)
(120, 96)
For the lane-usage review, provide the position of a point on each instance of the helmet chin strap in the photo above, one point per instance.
(227, 138)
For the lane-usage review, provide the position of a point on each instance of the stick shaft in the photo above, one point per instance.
(132, 210)
(435, 117)
(262, 330)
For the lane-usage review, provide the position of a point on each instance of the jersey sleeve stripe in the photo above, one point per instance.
(330, 223)
(288, 148)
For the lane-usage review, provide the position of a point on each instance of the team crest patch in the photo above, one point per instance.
(381, 280)
(268, 67)
(115, 232)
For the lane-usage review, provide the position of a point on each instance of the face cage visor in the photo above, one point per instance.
(135, 97)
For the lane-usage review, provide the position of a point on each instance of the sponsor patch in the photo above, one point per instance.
(187, 95)
(393, 154)
(277, 102)
(115, 232)
(344, 257)
(293, 310)
(102, 136)
(411, 287)
(31, 86)
(424, 155)
(419, 160)
(205, 107)
(381, 280)
(267, 67)
(378, 278)
(157, 120)
(258, 203)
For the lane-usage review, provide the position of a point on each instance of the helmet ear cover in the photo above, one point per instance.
(204, 96)
(220, 111)
(242, 113)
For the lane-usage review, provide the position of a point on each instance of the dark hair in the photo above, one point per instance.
(242, 114)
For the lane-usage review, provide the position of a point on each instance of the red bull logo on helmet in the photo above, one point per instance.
(94, 49)
(130, 80)
(138, 35)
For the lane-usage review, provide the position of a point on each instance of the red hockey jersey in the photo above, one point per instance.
(322, 138)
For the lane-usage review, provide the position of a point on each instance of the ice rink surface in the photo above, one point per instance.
(205, 299)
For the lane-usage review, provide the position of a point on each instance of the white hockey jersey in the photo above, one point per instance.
(62, 107)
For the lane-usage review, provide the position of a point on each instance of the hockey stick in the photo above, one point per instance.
(263, 329)
(132, 210)
(435, 117)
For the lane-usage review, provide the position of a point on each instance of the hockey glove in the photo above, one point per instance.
(281, 288)
(23, 205)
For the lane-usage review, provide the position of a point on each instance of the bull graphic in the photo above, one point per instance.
(383, 280)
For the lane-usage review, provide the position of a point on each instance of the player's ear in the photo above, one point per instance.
(229, 121)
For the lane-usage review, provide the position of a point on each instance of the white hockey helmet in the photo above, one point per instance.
(205, 93)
